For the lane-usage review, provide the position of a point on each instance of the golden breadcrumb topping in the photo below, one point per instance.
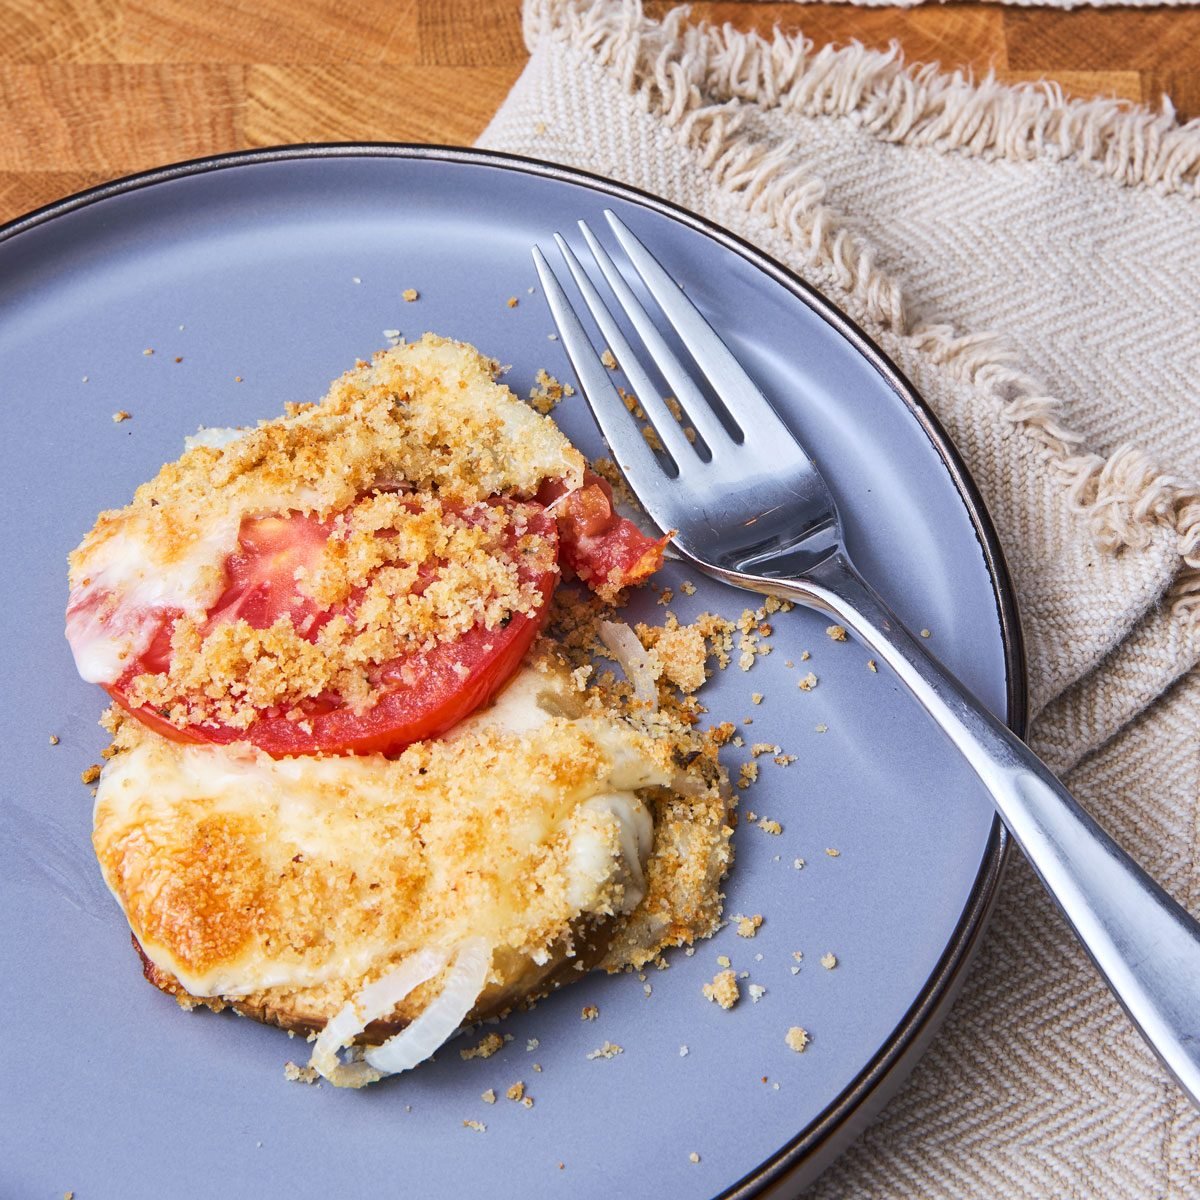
(243, 867)
(327, 872)
(423, 572)
(427, 416)
(284, 887)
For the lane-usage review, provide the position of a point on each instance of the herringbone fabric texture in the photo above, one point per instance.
(1033, 265)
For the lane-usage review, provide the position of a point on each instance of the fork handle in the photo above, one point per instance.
(1145, 945)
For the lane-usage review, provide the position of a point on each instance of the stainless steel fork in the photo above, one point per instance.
(747, 506)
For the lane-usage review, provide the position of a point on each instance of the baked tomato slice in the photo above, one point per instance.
(273, 618)
(605, 550)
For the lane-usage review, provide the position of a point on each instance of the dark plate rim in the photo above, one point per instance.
(931, 1003)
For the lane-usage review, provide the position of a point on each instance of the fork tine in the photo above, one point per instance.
(669, 432)
(630, 449)
(740, 394)
(687, 393)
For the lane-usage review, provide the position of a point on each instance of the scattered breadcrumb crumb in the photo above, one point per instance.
(925, 633)
(409, 295)
(749, 926)
(91, 774)
(784, 760)
(539, 127)
(488, 1097)
(747, 774)
(547, 392)
(757, 992)
(797, 1039)
(683, 1052)
(756, 697)
(54, 739)
(872, 666)
(477, 1126)
(608, 1050)
(723, 960)
(652, 438)
(179, 358)
(147, 352)
(237, 379)
(829, 961)
(798, 863)
(693, 1157)
(531, 1044)
(512, 302)
(805, 656)
(832, 852)
(687, 587)
(723, 990)
(666, 597)
(760, 748)
(121, 415)
(298, 1074)
(516, 1091)
(487, 1046)
(836, 632)
(822, 728)
(807, 683)
(772, 827)
(590, 1013)
(608, 359)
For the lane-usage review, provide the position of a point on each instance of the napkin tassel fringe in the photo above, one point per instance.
(673, 68)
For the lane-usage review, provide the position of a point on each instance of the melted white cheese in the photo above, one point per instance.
(125, 566)
(216, 437)
(303, 804)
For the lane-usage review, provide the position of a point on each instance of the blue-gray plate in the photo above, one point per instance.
(256, 279)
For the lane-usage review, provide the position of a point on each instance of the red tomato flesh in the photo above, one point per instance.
(423, 694)
(604, 549)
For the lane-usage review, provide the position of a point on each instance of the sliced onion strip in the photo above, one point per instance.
(374, 1001)
(414, 1044)
(640, 667)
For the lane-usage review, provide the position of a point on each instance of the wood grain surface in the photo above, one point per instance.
(94, 89)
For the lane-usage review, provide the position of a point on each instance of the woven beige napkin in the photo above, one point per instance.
(1033, 265)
